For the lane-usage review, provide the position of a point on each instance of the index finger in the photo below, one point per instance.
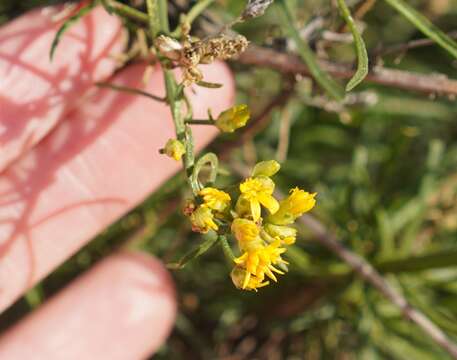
(35, 93)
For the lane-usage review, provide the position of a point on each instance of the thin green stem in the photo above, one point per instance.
(174, 94)
(212, 160)
(163, 15)
(153, 12)
(183, 132)
(131, 90)
(226, 248)
(193, 13)
(307, 55)
(424, 25)
(125, 10)
(199, 122)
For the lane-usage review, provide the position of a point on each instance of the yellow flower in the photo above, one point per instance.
(174, 149)
(266, 168)
(258, 191)
(238, 276)
(247, 234)
(233, 118)
(202, 220)
(260, 262)
(286, 234)
(295, 205)
(215, 199)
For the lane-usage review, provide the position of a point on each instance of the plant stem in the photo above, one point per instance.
(183, 132)
(307, 55)
(199, 122)
(130, 90)
(125, 10)
(213, 161)
(424, 25)
(153, 11)
(227, 249)
(163, 16)
(158, 22)
(194, 12)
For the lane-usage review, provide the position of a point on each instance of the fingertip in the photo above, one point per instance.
(123, 308)
(38, 93)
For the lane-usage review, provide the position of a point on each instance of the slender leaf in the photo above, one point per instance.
(361, 51)
(211, 239)
(307, 55)
(130, 91)
(424, 25)
(67, 24)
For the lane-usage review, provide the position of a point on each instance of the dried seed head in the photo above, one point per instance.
(169, 47)
(224, 48)
(255, 8)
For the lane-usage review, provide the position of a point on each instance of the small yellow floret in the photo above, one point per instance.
(258, 191)
(239, 275)
(174, 149)
(247, 234)
(295, 205)
(215, 199)
(261, 261)
(233, 118)
(202, 220)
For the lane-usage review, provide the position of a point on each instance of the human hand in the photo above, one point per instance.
(73, 159)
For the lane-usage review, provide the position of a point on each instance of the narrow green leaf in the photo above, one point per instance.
(362, 56)
(211, 240)
(424, 25)
(66, 25)
(130, 91)
(307, 55)
(209, 85)
(437, 260)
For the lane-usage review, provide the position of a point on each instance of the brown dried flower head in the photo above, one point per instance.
(191, 53)
(255, 8)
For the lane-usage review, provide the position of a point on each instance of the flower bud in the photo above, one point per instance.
(233, 118)
(174, 149)
(266, 168)
(285, 233)
(295, 205)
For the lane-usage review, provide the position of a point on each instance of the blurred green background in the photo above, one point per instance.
(385, 169)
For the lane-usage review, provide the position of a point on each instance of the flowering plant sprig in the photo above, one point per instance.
(251, 216)
(259, 224)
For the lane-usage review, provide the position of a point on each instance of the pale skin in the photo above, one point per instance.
(74, 159)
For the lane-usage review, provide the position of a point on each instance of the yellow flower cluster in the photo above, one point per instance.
(262, 237)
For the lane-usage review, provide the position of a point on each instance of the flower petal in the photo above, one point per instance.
(269, 202)
(255, 210)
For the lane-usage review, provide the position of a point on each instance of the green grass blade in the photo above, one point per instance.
(361, 51)
(425, 26)
(66, 25)
(307, 55)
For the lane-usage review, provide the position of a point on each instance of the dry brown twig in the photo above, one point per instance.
(287, 63)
